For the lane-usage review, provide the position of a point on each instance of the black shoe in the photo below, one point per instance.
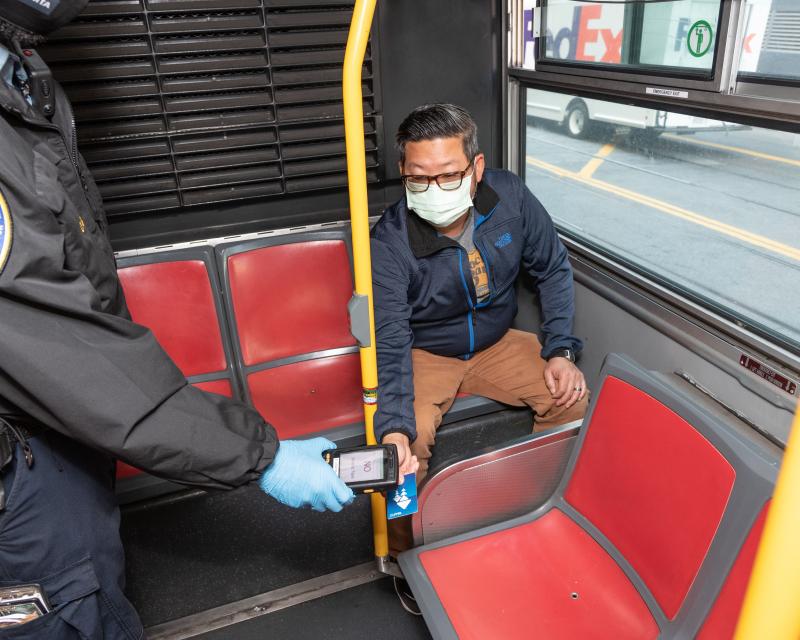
(407, 599)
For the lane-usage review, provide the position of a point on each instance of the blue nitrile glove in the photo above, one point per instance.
(299, 477)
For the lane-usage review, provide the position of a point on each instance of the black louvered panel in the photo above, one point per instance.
(145, 186)
(316, 111)
(150, 167)
(225, 141)
(190, 23)
(310, 19)
(109, 8)
(197, 5)
(136, 88)
(223, 194)
(81, 51)
(110, 130)
(329, 181)
(314, 150)
(324, 165)
(115, 109)
(222, 121)
(95, 154)
(256, 60)
(210, 43)
(142, 203)
(236, 158)
(320, 131)
(111, 71)
(189, 102)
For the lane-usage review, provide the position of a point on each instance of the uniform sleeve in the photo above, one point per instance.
(390, 280)
(546, 259)
(104, 380)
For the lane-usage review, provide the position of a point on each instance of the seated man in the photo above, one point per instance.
(445, 260)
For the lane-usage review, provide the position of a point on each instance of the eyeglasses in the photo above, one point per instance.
(446, 181)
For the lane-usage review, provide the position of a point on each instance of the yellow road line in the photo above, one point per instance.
(678, 212)
(590, 167)
(725, 147)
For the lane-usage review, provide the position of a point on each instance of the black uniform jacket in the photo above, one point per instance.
(70, 356)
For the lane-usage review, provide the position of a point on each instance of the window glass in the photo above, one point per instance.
(681, 33)
(710, 207)
(771, 39)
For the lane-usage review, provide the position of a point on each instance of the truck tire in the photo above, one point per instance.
(577, 121)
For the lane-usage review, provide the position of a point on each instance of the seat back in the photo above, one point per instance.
(286, 299)
(660, 506)
(176, 295)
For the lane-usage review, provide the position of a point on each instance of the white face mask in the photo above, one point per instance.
(439, 207)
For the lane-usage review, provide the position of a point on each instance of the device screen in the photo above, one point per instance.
(360, 466)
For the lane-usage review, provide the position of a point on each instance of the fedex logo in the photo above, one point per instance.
(585, 38)
(595, 33)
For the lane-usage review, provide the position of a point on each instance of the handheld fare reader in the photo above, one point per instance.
(365, 469)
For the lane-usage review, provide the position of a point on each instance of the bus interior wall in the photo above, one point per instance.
(146, 161)
(612, 317)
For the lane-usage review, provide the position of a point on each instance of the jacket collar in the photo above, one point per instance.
(423, 238)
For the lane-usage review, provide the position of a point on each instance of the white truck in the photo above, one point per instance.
(580, 116)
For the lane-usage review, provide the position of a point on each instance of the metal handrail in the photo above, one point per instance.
(359, 218)
(771, 607)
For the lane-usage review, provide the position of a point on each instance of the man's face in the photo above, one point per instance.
(441, 155)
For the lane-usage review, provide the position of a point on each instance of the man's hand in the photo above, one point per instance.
(408, 462)
(565, 381)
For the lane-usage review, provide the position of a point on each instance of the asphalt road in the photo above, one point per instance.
(715, 212)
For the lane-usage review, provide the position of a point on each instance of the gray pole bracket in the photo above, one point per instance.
(358, 308)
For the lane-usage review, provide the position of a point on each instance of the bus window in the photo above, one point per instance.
(679, 34)
(709, 208)
(770, 40)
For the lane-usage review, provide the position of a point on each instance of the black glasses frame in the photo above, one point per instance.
(447, 178)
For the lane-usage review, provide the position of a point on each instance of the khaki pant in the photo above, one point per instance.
(510, 371)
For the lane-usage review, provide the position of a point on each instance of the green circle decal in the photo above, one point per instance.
(700, 38)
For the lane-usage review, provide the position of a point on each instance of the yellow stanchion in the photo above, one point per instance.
(359, 218)
(772, 605)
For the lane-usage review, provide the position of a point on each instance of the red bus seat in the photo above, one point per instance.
(287, 304)
(176, 295)
(635, 542)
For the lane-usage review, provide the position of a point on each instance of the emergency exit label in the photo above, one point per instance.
(700, 38)
(771, 376)
(667, 93)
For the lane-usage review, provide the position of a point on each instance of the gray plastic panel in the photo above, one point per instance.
(492, 487)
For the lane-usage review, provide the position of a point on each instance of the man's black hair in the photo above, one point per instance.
(432, 121)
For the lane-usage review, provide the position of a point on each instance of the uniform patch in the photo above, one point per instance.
(43, 6)
(6, 232)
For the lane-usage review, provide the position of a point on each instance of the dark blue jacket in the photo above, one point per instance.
(425, 297)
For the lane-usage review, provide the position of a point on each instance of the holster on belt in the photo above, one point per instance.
(11, 434)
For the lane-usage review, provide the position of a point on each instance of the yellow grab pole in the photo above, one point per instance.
(771, 607)
(359, 218)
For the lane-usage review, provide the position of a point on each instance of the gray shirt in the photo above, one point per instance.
(479, 275)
